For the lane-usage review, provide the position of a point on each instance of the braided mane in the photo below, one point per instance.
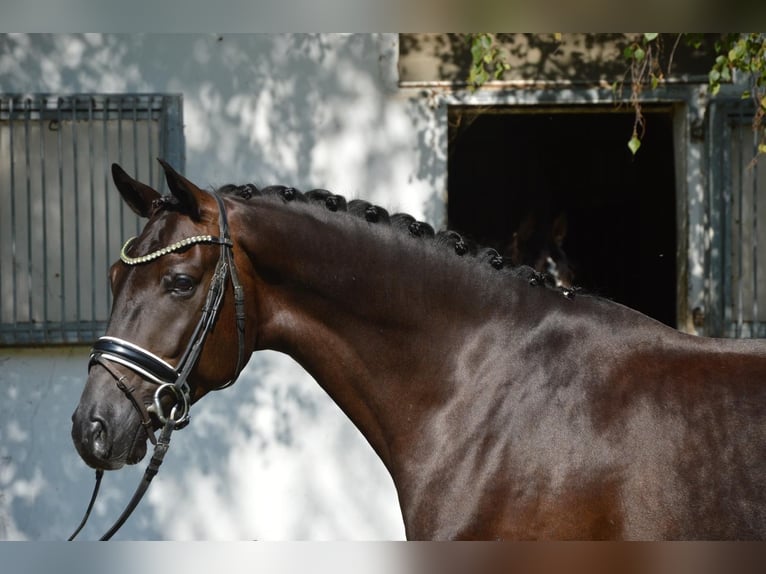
(451, 240)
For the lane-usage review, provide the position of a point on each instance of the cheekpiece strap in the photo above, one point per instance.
(128, 260)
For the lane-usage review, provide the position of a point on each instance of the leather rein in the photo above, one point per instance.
(171, 381)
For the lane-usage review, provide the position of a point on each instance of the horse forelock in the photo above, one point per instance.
(165, 203)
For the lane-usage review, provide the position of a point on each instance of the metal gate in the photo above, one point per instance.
(61, 221)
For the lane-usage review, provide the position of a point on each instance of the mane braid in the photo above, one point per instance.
(455, 242)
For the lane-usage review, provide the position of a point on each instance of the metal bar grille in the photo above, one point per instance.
(61, 221)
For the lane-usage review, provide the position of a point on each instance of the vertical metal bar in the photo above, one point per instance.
(92, 217)
(62, 235)
(14, 244)
(162, 131)
(28, 185)
(172, 130)
(75, 181)
(28, 178)
(149, 146)
(105, 135)
(134, 119)
(135, 146)
(44, 198)
(121, 207)
(2, 265)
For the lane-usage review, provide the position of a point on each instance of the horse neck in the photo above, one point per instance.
(370, 312)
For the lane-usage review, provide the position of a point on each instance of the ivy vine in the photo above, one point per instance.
(487, 61)
(643, 57)
(738, 52)
(745, 53)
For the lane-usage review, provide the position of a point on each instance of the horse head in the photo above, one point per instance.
(538, 243)
(176, 328)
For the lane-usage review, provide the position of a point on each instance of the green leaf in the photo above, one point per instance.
(693, 39)
(649, 36)
(761, 148)
(737, 51)
(639, 54)
(634, 144)
(628, 52)
(477, 53)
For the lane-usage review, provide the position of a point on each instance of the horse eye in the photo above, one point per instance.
(183, 284)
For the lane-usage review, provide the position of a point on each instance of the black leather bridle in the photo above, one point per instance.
(170, 380)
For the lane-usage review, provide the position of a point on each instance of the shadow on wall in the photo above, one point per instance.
(36, 467)
(272, 458)
(307, 110)
(275, 433)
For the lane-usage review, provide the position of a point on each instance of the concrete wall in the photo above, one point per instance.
(272, 457)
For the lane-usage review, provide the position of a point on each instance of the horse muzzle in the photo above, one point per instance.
(104, 443)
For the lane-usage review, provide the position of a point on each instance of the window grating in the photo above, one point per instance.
(61, 220)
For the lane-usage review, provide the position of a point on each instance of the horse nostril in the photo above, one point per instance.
(98, 437)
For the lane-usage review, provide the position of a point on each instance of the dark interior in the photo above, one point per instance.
(506, 163)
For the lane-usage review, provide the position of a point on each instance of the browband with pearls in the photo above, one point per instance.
(125, 258)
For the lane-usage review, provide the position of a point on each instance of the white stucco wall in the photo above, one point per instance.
(271, 458)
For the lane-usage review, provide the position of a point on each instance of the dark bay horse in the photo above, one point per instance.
(503, 407)
(539, 244)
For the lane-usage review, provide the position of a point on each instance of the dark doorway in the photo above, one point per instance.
(509, 166)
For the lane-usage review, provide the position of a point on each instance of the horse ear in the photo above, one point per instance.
(513, 249)
(189, 196)
(137, 195)
(527, 227)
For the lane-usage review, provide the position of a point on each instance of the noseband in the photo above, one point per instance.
(170, 380)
